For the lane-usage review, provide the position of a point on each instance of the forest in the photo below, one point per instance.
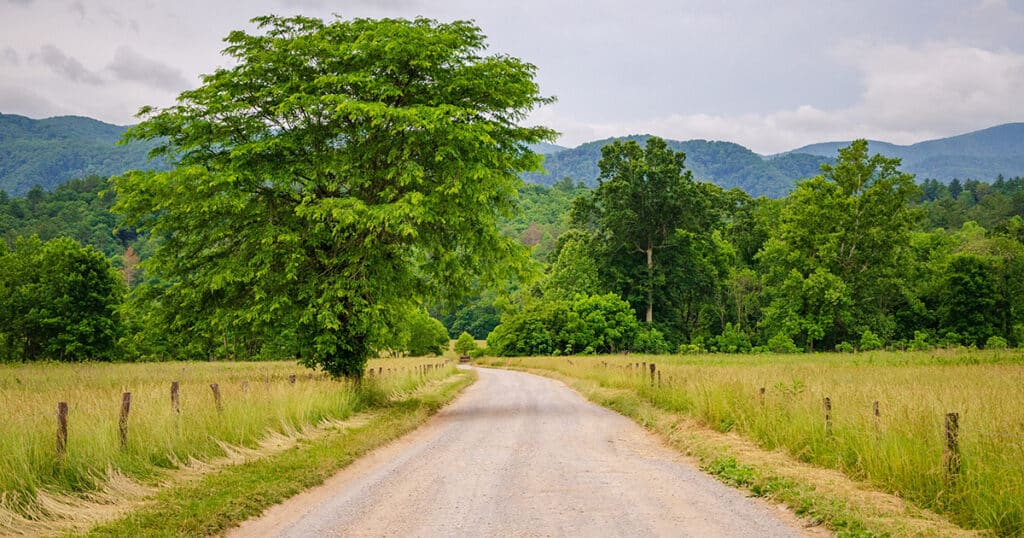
(850, 260)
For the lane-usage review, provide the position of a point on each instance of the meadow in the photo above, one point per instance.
(261, 404)
(900, 450)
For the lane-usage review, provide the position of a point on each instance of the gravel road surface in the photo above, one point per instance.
(522, 455)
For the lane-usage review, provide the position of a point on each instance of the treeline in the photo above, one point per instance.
(859, 257)
(72, 288)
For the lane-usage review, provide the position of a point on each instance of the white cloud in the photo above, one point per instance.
(909, 94)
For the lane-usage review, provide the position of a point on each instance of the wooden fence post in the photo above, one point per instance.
(760, 395)
(659, 378)
(877, 413)
(216, 396)
(653, 368)
(828, 416)
(951, 454)
(291, 379)
(122, 422)
(62, 429)
(245, 386)
(174, 397)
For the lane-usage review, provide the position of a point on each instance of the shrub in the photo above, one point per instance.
(870, 341)
(995, 342)
(732, 340)
(920, 342)
(650, 340)
(782, 343)
(844, 347)
(586, 324)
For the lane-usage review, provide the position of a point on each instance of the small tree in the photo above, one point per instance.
(58, 300)
(465, 344)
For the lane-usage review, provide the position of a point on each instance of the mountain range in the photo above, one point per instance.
(981, 155)
(51, 151)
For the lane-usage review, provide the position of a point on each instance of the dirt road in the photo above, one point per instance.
(521, 455)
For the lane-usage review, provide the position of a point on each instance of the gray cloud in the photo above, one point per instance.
(78, 8)
(10, 56)
(66, 66)
(130, 65)
(19, 2)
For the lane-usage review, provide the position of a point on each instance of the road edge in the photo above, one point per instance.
(813, 495)
(223, 500)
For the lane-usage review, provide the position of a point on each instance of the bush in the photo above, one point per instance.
(732, 340)
(920, 342)
(782, 343)
(844, 347)
(465, 344)
(995, 342)
(870, 341)
(650, 340)
(586, 324)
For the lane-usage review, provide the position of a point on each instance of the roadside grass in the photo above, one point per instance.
(900, 453)
(43, 492)
(224, 499)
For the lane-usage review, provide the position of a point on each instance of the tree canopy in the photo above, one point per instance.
(338, 173)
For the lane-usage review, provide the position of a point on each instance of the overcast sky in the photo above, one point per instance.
(769, 75)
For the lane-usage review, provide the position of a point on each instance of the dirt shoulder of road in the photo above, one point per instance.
(812, 494)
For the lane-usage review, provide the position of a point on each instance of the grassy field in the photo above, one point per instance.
(900, 452)
(258, 402)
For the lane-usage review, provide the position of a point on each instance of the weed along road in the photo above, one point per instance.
(522, 455)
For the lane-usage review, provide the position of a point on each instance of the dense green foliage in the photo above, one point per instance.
(58, 301)
(585, 324)
(75, 209)
(338, 174)
(51, 151)
(858, 257)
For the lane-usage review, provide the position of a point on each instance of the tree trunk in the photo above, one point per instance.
(650, 283)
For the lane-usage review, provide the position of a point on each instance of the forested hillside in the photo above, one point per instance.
(725, 164)
(51, 151)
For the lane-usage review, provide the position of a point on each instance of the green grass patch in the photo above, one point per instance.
(224, 499)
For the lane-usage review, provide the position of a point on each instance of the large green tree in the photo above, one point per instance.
(336, 173)
(644, 213)
(836, 260)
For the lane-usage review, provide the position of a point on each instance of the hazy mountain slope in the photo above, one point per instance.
(981, 155)
(723, 163)
(51, 151)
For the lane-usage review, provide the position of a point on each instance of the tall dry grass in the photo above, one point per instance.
(258, 401)
(901, 452)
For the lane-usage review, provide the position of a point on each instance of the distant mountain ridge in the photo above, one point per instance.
(724, 163)
(51, 151)
(981, 155)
